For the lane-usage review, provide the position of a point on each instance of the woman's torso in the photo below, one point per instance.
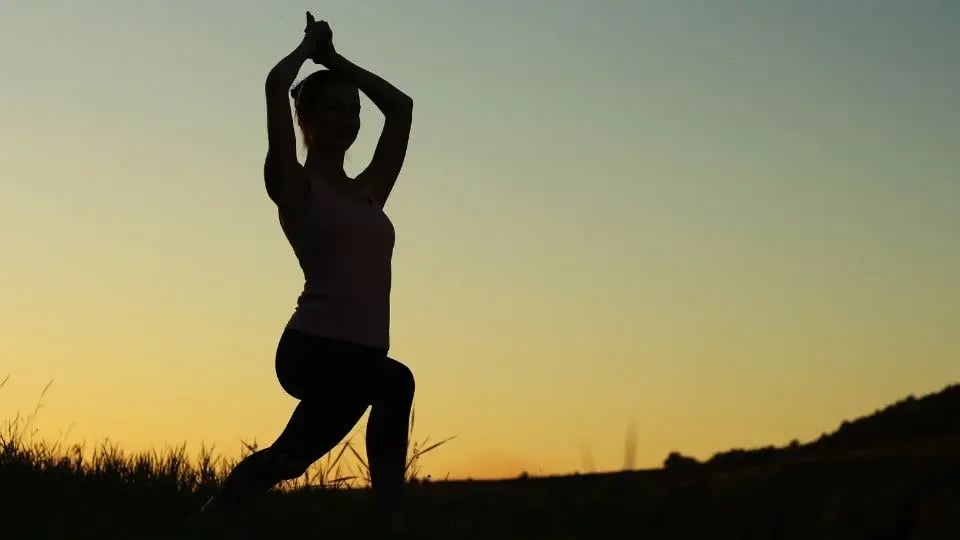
(343, 242)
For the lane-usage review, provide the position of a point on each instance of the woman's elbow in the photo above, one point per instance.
(403, 106)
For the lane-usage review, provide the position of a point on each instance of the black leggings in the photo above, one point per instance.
(335, 382)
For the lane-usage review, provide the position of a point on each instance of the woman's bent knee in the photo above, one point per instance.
(400, 381)
(286, 465)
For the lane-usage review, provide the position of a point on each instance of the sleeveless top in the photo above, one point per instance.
(344, 247)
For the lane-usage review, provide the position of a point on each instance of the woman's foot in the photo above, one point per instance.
(393, 524)
(397, 523)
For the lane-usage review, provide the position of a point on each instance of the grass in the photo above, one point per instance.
(34, 467)
(173, 467)
(909, 490)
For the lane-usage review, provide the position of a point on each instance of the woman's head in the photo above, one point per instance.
(328, 110)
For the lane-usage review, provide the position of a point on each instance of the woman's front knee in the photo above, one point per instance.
(400, 379)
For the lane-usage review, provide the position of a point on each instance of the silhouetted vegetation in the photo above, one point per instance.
(935, 415)
(680, 463)
(932, 417)
(893, 474)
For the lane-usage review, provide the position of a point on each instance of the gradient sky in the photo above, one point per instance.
(722, 223)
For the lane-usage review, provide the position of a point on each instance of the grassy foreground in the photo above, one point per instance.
(896, 493)
(892, 475)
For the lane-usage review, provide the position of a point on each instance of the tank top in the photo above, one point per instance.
(344, 247)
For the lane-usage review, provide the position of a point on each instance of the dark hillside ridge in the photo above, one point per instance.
(935, 416)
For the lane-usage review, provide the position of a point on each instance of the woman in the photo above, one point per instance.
(332, 355)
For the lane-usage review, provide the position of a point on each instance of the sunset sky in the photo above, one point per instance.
(725, 224)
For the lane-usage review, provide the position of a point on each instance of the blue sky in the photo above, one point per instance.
(731, 223)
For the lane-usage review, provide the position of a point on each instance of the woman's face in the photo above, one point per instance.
(335, 119)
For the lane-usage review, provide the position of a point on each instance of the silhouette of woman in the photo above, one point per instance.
(332, 354)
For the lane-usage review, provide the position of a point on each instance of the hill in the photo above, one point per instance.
(932, 416)
(894, 474)
(911, 424)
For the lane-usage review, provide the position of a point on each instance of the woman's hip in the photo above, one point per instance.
(314, 365)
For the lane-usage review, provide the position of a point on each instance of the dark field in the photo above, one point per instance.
(892, 475)
(893, 493)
